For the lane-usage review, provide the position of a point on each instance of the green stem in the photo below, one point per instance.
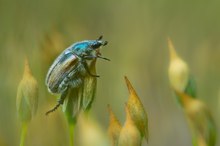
(71, 134)
(23, 133)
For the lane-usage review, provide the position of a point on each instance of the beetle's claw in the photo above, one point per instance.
(103, 58)
(96, 76)
(52, 110)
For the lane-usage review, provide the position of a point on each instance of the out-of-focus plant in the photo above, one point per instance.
(130, 135)
(114, 128)
(2, 142)
(27, 99)
(200, 120)
(219, 101)
(199, 117)
(51, 46)
(137, 111)
(90, 132)
(179, 75)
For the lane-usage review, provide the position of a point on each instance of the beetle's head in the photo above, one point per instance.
(95, 44)
(88, 47)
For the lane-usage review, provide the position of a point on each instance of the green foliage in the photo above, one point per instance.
(191, 87)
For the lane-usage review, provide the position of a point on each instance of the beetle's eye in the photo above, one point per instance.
(96, 45)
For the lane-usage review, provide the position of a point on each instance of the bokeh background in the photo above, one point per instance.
(137, 32)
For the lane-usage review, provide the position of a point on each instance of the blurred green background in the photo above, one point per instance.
(137, 32)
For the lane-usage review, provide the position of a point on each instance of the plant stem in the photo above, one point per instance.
(23, 133)
(71, 134)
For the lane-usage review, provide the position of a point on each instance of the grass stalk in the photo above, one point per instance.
(23, 134)
(71, 134)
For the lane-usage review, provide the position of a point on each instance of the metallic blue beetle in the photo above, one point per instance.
(71, 66)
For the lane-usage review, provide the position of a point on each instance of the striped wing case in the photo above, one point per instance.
(59, 70)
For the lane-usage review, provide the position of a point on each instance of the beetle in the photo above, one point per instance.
(71, 66)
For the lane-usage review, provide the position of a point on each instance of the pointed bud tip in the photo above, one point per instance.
(135, 111)
(129, 86)
(112, 117)
(172, 50)
(27, 69)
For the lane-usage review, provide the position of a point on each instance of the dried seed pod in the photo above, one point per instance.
(114, 128)
(27, 95)
(137, 111)
(130, 134)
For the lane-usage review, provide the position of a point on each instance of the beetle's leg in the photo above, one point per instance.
(63, 85)
(93, 57)
(75, 82)
(60, 101)
(87, 69)
(103, 58)
(89, 57)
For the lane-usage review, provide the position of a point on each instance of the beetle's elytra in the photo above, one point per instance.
(71, 66)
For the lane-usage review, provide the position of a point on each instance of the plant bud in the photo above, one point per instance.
(178, 70)
(89, 87)
(130, 134)
(27, 95)
(200, 119)
(137, 111)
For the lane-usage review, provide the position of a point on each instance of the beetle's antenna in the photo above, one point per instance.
(100, 38)
(105, 43)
